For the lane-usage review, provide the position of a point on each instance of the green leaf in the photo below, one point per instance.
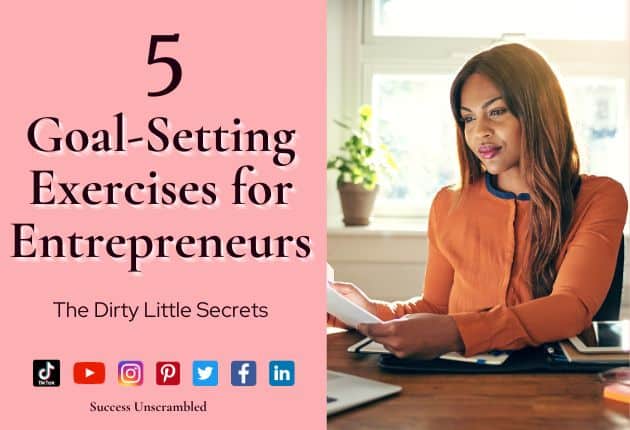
(365, 159)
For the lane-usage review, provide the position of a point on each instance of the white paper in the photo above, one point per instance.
(493, 358)
(330, 273)
(346, 311)
(342, 308)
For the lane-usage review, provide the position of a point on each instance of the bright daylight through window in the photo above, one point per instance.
(407, 62)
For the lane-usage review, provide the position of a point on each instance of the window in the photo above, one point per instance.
(408, 55)
(596, 108)
(539, 19)
(421, 136)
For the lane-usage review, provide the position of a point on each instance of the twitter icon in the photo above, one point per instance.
(205, 373)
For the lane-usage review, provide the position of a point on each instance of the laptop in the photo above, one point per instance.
(347, 391)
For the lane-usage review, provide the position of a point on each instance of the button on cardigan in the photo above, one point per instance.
(476, 265)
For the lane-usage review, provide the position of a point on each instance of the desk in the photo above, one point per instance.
(488, 402)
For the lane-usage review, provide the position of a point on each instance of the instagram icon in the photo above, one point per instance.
(130, 373)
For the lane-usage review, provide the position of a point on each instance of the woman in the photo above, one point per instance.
(524, 250)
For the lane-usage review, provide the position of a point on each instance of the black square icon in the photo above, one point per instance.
(46, 373)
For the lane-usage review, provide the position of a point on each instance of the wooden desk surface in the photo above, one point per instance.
(489, 402)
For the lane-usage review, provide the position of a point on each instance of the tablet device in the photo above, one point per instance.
(604, 336)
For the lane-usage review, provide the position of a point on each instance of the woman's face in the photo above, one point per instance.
(490, 129)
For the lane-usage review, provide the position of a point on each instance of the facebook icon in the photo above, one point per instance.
(243, 373)
(281, 373)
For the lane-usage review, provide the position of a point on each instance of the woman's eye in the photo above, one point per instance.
(497, 112)
(467, 119)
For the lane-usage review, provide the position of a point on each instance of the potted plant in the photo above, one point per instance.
(361, 165)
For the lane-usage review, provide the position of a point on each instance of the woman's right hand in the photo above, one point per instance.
(356, 296)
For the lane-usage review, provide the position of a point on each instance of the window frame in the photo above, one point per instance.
(399, 56)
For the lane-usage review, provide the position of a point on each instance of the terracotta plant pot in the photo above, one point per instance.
(357, 203)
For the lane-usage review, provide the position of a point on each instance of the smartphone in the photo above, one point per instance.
(604, 336)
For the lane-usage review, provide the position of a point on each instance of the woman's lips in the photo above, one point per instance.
(488, 152)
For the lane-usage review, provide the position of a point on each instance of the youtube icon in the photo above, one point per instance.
(88, 372)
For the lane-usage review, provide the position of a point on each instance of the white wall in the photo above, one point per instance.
(343, 44)
(334, 93)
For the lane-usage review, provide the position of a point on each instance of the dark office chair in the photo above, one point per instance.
(610, 308)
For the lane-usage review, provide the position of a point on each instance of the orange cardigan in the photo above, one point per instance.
(475, 265)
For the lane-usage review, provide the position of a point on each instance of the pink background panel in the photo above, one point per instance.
(262, 62)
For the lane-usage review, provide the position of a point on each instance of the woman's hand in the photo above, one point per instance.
(356, 296)
(423, 335)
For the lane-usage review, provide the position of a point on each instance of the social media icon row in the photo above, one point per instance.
(205, 373)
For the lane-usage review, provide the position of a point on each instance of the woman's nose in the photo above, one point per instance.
(483, 128)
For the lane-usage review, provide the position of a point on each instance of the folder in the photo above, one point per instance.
(543, 359)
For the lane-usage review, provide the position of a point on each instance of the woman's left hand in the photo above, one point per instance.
(423, 335)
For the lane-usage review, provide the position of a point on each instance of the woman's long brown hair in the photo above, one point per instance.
(549, 161)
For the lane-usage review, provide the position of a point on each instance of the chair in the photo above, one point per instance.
(612, 303)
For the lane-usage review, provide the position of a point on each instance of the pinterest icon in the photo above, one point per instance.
(167, 373)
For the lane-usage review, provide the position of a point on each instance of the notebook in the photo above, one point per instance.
(574, 356)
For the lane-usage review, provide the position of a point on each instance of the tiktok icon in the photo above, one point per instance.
(46, 373)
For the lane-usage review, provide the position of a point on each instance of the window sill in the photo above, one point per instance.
(397, 227)
(381, 226)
